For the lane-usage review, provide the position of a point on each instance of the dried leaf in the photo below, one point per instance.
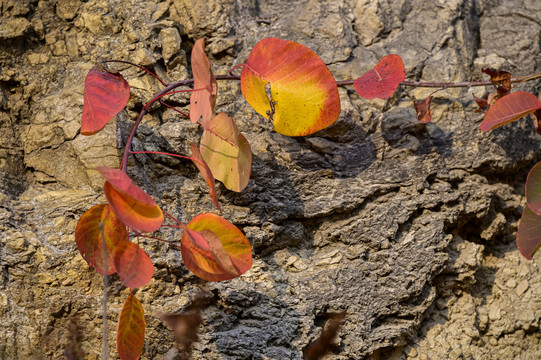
(327, 340)
(500, 79)
(73, 350)
(423, 110)
(482, 103)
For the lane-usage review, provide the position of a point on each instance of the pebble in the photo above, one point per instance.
(522, 287)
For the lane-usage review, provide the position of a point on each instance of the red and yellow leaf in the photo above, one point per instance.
(202, 102)
(529, 233)
(206, 173)
(214, 249)
(89, 240)
(106, 94)
(131, 204)
(227, 152)
(423, 110)
(533, 189)
(133, 265)
(289, 84)
(382, 81)
(130, 335)
(510, 108)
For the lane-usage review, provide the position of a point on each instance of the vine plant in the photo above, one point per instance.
(289, 85)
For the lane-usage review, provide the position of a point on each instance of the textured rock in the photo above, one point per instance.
(408, 227)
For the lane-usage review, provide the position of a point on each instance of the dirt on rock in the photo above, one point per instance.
(408, 227)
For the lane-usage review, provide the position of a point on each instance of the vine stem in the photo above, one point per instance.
(157, 238)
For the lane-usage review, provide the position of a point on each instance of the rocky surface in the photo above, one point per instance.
(408, 227)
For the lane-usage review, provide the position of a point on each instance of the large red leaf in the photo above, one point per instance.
(214, 249)
(289, 84)
(227, 152)
(133, 265)
(106, 94)
(130, 335)
(533, 189)
(382, 81)
(206, 173)
(131, 204)
(529, 233)
(510, 108)
(89, 240)
(202, 102)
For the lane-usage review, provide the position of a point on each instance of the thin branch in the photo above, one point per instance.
(157, 238)
(140, 67)
(173, 108)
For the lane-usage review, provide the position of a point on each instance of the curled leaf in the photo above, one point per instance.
(500, 79)
(206, 173)
(290, 85)
(423, 110)
(106, 94)
(382, 81)
(202, 102)
(130, 335)
(529, 233)
(214, 249)
(131, 204)
(510, 108)
(326, 341)
(133, 265)
(89, 240)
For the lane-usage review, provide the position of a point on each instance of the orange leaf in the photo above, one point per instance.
(510, 108)
(202, 102)
(133, 265)
(106, 94)
(529, 233)
(89, 240)
(382, 81)
(423, 110)
(289, 84)
(214, 249)
(206, 173)
(131, 204)
(130, 335)
(227, 152)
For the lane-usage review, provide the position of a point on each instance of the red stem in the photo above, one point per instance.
(140, 67)
(173, 108)
(157, 238)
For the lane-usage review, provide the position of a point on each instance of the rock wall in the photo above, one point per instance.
(408, 227)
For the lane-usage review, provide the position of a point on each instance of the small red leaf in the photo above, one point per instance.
(533, 189)
(326, 341)
(529, 233)
(130, 335)
(500, 79)
(382, 81)
(423, 110)
(131, 204)
(510, 108)
(106, 94)
(133, 265)
(207, 175)
(202, 102)
(482, 103)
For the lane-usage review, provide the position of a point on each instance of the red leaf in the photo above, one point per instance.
(510, 108)
(206, 173)
(214, 249)
(423, 110)
(382, 81)
(482, 103)
(533, 189)
(500, 79)
(106, 94)
(202, 102)
(89, 240)
(133, 265)
(130, 335)
(326, 341)
(529, 233)
(131, 204)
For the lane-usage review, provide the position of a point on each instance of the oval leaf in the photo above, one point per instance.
(529, 233)
(133, 265)
(202, 102)
(106, 94)
(533, 189)
(510, 108)
(289, 84)
(382, 81)
(130, 335)
(227, 152)
(206, 173)
(214, 249)
(131, 204)
(89, 240)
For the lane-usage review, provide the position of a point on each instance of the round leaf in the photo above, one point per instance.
(289, 84)
(89, 240)
(214, 249)
(510, 108)
(131, 204)
(529, 233)
(382, 81)
(133, 265)
(130, 335)
(106, 94)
